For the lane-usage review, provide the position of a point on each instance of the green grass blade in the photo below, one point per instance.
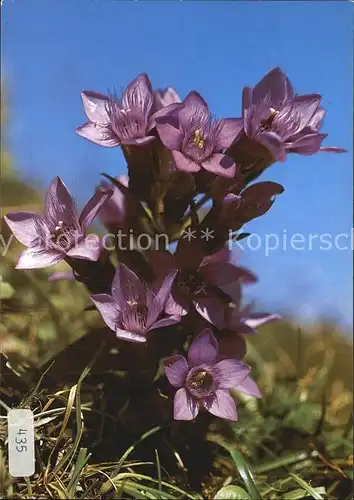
(82, 459)
(107, 486)
(246, 475)
(300, 493)
(158, 466)
(307, 487)
(281, 462)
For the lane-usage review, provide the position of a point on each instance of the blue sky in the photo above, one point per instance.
(52, 50)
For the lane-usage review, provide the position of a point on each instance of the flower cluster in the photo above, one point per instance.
(179, 157)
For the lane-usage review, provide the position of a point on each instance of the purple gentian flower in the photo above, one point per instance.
(205, 382)
(133, 309)
(282, 121)
(195, 140)
(239, 319)
(113, 122)
(59, 232)
(199, 279)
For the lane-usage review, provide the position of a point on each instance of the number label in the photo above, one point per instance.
(21, 443)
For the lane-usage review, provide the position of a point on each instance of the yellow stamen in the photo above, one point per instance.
(273, 112)
(59, 226)
(198, 141)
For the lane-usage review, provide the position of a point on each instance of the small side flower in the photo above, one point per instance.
(58, 232)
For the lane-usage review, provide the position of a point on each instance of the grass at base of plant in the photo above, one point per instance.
(292, 444)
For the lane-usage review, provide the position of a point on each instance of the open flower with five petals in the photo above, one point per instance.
(134, 308)
(195, 139)
(199, 279)
(113, 122)
(204, 382)
(58, 232)
(282, 121)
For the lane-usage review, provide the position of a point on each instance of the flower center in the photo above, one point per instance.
(59, 228)
(200, 382)
(198, 141)
(126, 123)
(193, 283)
(63, 235)
(133, 318)
(268, 122)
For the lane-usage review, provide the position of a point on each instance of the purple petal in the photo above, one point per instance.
(59, 203)
(37, 258)
(261, 191)
(211, 309)
(107, 307)
(222, 405)
(184, 163)
(130, 336)
(249, 386)
(229, 128)
(176, 369)
(138, 141)
(247, 93)
(220, 256)
(156, 302)
(220, 164)
(127, 286)
(317, 120)
(95, 106)
(275, 86)
(103, 136)
(184, 407)
(305, 108)
(165, 97)
(163, 293)
(273, 143)
(258, 319)
(169, 133)
(204, 349)
(307, 145)
(193, 103)
(139, 96)
(69, 275)
(332, 149)
(93, 206)
(23, 226)
(226, 273)
(177, 304)
(170, 111)
(170, 320)
(87, 249)
(232, 373)
(116, 209)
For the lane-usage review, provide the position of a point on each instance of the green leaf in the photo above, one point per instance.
(307, 487)
(246, 475)
(232, 493)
